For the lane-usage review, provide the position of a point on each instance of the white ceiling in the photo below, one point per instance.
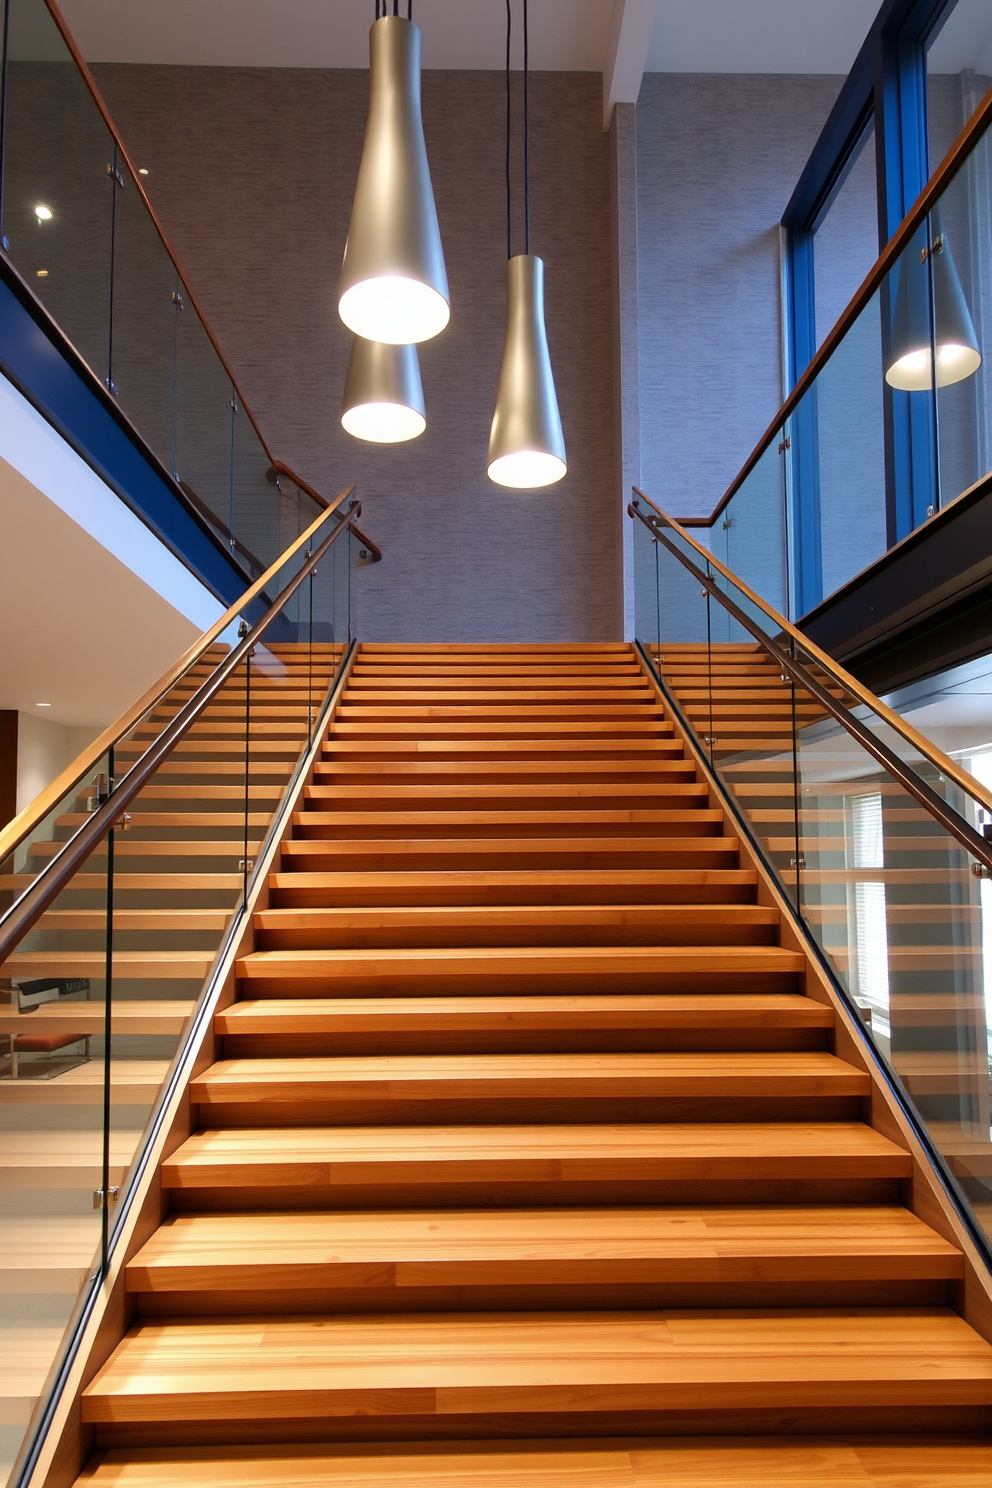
(567, 35)
(81, 631)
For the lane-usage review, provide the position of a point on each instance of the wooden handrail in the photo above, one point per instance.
(281, 468)
(90, 82)
(927, 199)
(35, 812)
(941, 762)
(375, 552)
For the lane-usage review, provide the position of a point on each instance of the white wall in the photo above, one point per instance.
(43, 751)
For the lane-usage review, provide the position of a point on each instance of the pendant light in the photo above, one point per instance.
(911, 356)
(393, 282)
(526, 443)
(383, 393)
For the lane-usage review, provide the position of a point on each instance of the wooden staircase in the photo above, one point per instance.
(528, 1157)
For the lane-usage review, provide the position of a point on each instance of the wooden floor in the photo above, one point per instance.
(527, 1159)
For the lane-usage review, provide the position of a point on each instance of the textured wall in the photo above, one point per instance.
(252, 172)
(717, 160)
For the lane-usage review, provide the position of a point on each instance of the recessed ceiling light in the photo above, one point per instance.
(43, 213)
(42, 273)
(142, 171)
(43, 705)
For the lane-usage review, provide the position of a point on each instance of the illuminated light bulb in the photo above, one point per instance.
(43, 213)
(394, 286)
(526, 443)
(383, 393)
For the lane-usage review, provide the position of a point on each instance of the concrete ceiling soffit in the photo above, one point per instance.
(631, 28)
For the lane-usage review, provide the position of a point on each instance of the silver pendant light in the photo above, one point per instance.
(394, 287)
(911, 354)
(526, 443)
(383, 393)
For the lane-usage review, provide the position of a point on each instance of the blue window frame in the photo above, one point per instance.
(887, 87)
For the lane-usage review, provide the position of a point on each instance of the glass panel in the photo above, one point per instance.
(143, 348)
(98, 993)
(751, 535)
(204, 424)
(888, 893)
(961, 285)
(845, 241)
(57, 202)
(256, 507)
(959, 72)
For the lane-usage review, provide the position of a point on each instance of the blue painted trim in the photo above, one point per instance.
(42, 365)
(888, 82)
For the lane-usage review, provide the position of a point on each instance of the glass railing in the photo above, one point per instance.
(78, 229)
(870, 444)
(117, 895)
(871, 833)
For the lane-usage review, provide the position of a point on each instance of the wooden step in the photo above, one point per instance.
(539, 1165)
(509, 925)
(572, 1368)
(146, 965)
(436, 1015)
(536, 968)
(313, 825)
(58, 1159)
(210, 1259)
(522, 1024)
(496, 853)
(590, 796)
(470, 748)
(507, 771)
(133, 1082)
(686, 1462)
(482, 886)
(87, 1019)
(362, 1086)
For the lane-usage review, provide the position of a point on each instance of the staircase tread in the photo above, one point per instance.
(441, 1364)
(550, 1153)
(311, 1014)
(223, 1247)
(403, 1077)
(714, 1462)
(604, 960)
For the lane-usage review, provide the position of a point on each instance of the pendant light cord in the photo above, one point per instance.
(382, 9)
(526, 136)
(509, 242)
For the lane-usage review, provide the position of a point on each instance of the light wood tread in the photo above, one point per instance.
(235, 1252)
(604, 961)
(679, 924)
(450, 743)
(321, 1157)
(426, 1365)
(434, 1014)
(508, 886)
(87, 1018)
(321, 823)
(132, 1082)
(158, 920)
(169, 965)
(406, 1077)
(293, 850)
(61, 1158)
(490, 796)
(675, 1462)
(654, 770)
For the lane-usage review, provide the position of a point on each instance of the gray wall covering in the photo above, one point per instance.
(717, 160)
(252, 172)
